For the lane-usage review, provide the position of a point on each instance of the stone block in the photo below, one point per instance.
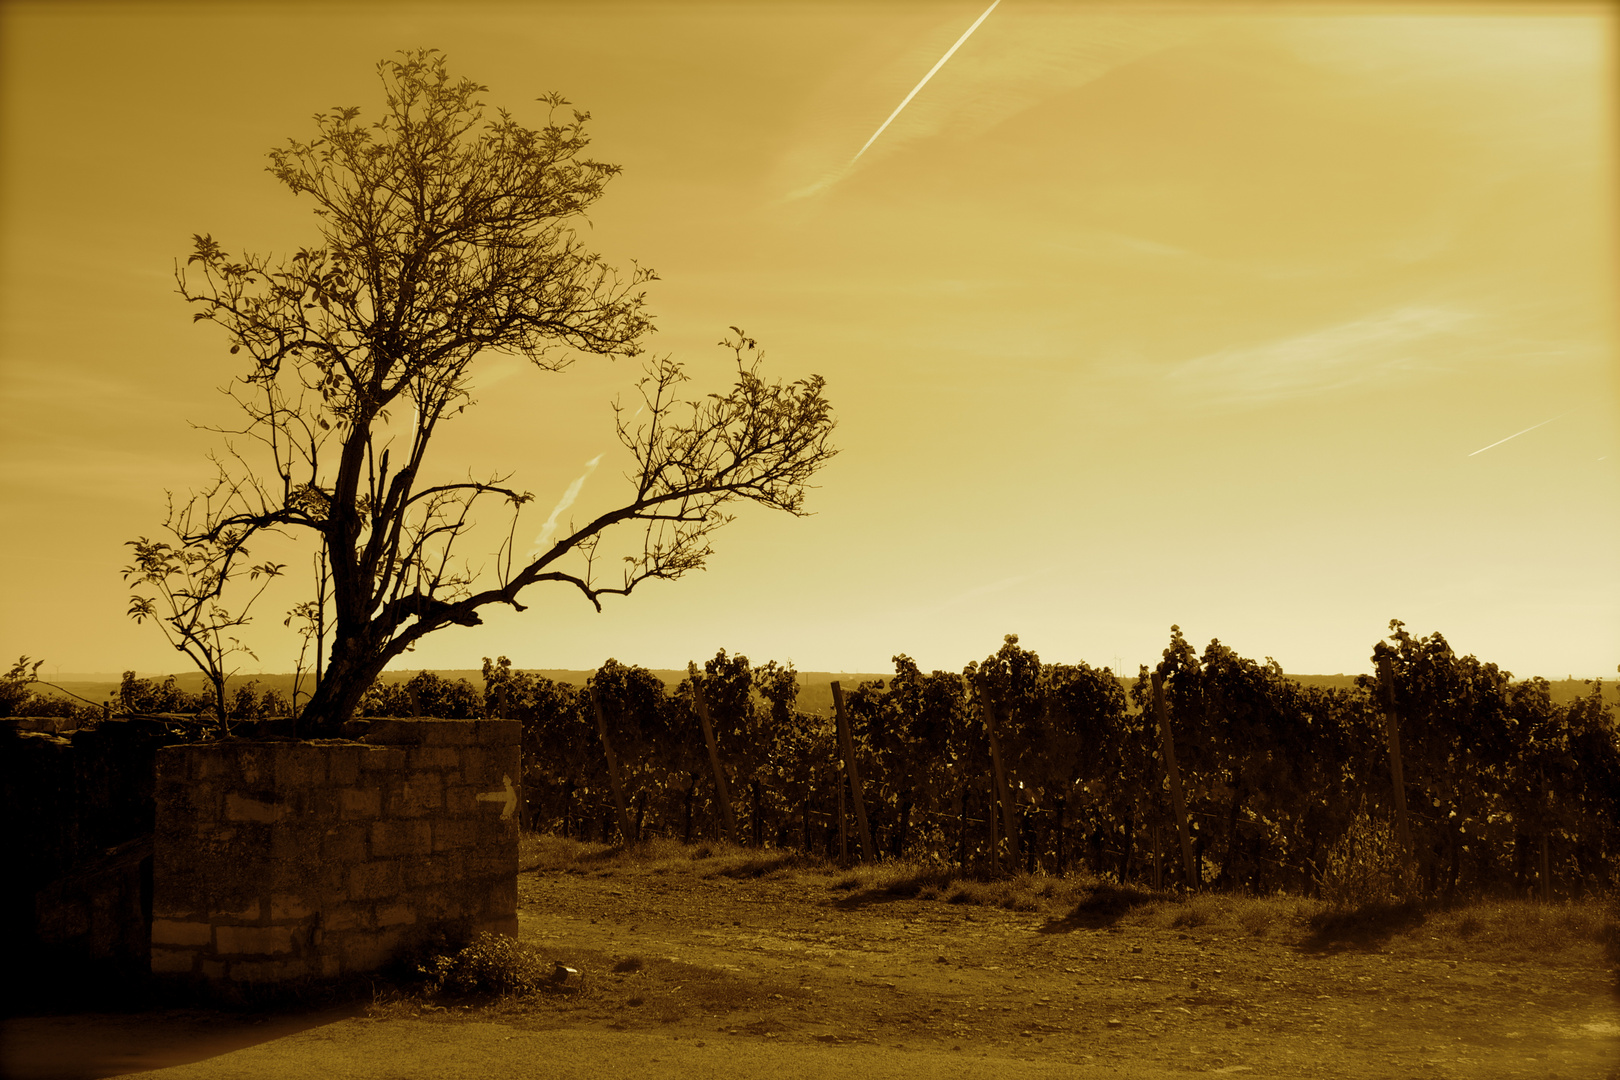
(422, 874)
(461, 799)
(417, 795)
(501, 898)
(344, 844)
(382, 759)
(398, 914)
(394, 731)
(420, 758)
(252, 940)
(175, 932)
(394, 838)
(268, 971)
(320, 804)
(370, 950)
(298, 842)
(289, 906)
(215, 969)
(360, 802)
(254, 764)
(479, 766)
(211, 763)
(341, 918)
(173, 961)
(247, 912)
(374, 880)
(343, 764)
(200, 802)
(444, 732)
(299, 765)
(253, 808)
(453, 835)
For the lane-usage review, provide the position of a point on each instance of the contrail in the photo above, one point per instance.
(1516, 434)
(563, 504)
(924, 82)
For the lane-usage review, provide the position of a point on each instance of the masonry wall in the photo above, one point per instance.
(75, 898)
(277, 860)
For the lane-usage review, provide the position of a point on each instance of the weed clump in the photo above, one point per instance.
(1366, 867)
(492, 965)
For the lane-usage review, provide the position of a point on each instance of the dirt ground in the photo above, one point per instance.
(795, 956)
(706, 965)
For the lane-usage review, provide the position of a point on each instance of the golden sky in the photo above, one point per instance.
(1133, 316)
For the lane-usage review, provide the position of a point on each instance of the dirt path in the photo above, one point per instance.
(796, 967)
(690, 972)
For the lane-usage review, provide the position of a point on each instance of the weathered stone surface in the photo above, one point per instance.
(174, 932)
(389, 759)
(395, 915)
(374, 880)
(300, 765)
(252, 939)
(172, 961)
(324, 858)
(394, 838)
(289, 906)
(360, 802)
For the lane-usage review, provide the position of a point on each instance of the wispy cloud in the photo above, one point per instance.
(550, 527)
(1019, 59)
(1372, 348)
(1526, 431)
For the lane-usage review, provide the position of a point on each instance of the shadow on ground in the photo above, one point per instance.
(88, 1046)
(1105, 906)
(1362, 929)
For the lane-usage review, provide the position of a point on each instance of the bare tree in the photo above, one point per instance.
(447, 235)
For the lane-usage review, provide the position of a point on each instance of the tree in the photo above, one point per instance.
(190, 579)
(447, 235)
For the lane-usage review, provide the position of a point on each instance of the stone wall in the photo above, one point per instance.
(75, 901)
(276, 861)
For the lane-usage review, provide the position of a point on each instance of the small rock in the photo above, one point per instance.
(1116, 1023)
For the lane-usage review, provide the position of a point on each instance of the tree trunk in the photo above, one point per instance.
(1130, 846)
(338, 694)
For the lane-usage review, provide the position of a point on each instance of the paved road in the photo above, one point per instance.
(350, 1048)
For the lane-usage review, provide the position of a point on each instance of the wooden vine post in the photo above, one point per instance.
(846, 745)
(721, 794)
(625, 829)
(987, 708)
(1392, 728)
(1178, 802)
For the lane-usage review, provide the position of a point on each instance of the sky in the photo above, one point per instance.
(1214, 316)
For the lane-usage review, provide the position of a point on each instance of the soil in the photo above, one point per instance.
(738, 967)
(795, 957)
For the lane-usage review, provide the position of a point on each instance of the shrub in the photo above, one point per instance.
(1366, 866)
(492, 964)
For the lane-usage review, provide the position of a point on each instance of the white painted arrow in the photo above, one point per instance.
(509, 797)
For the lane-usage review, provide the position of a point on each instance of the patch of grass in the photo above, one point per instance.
(1524, 927)
(629, 964)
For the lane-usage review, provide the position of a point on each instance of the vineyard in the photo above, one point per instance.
(1282, 786)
